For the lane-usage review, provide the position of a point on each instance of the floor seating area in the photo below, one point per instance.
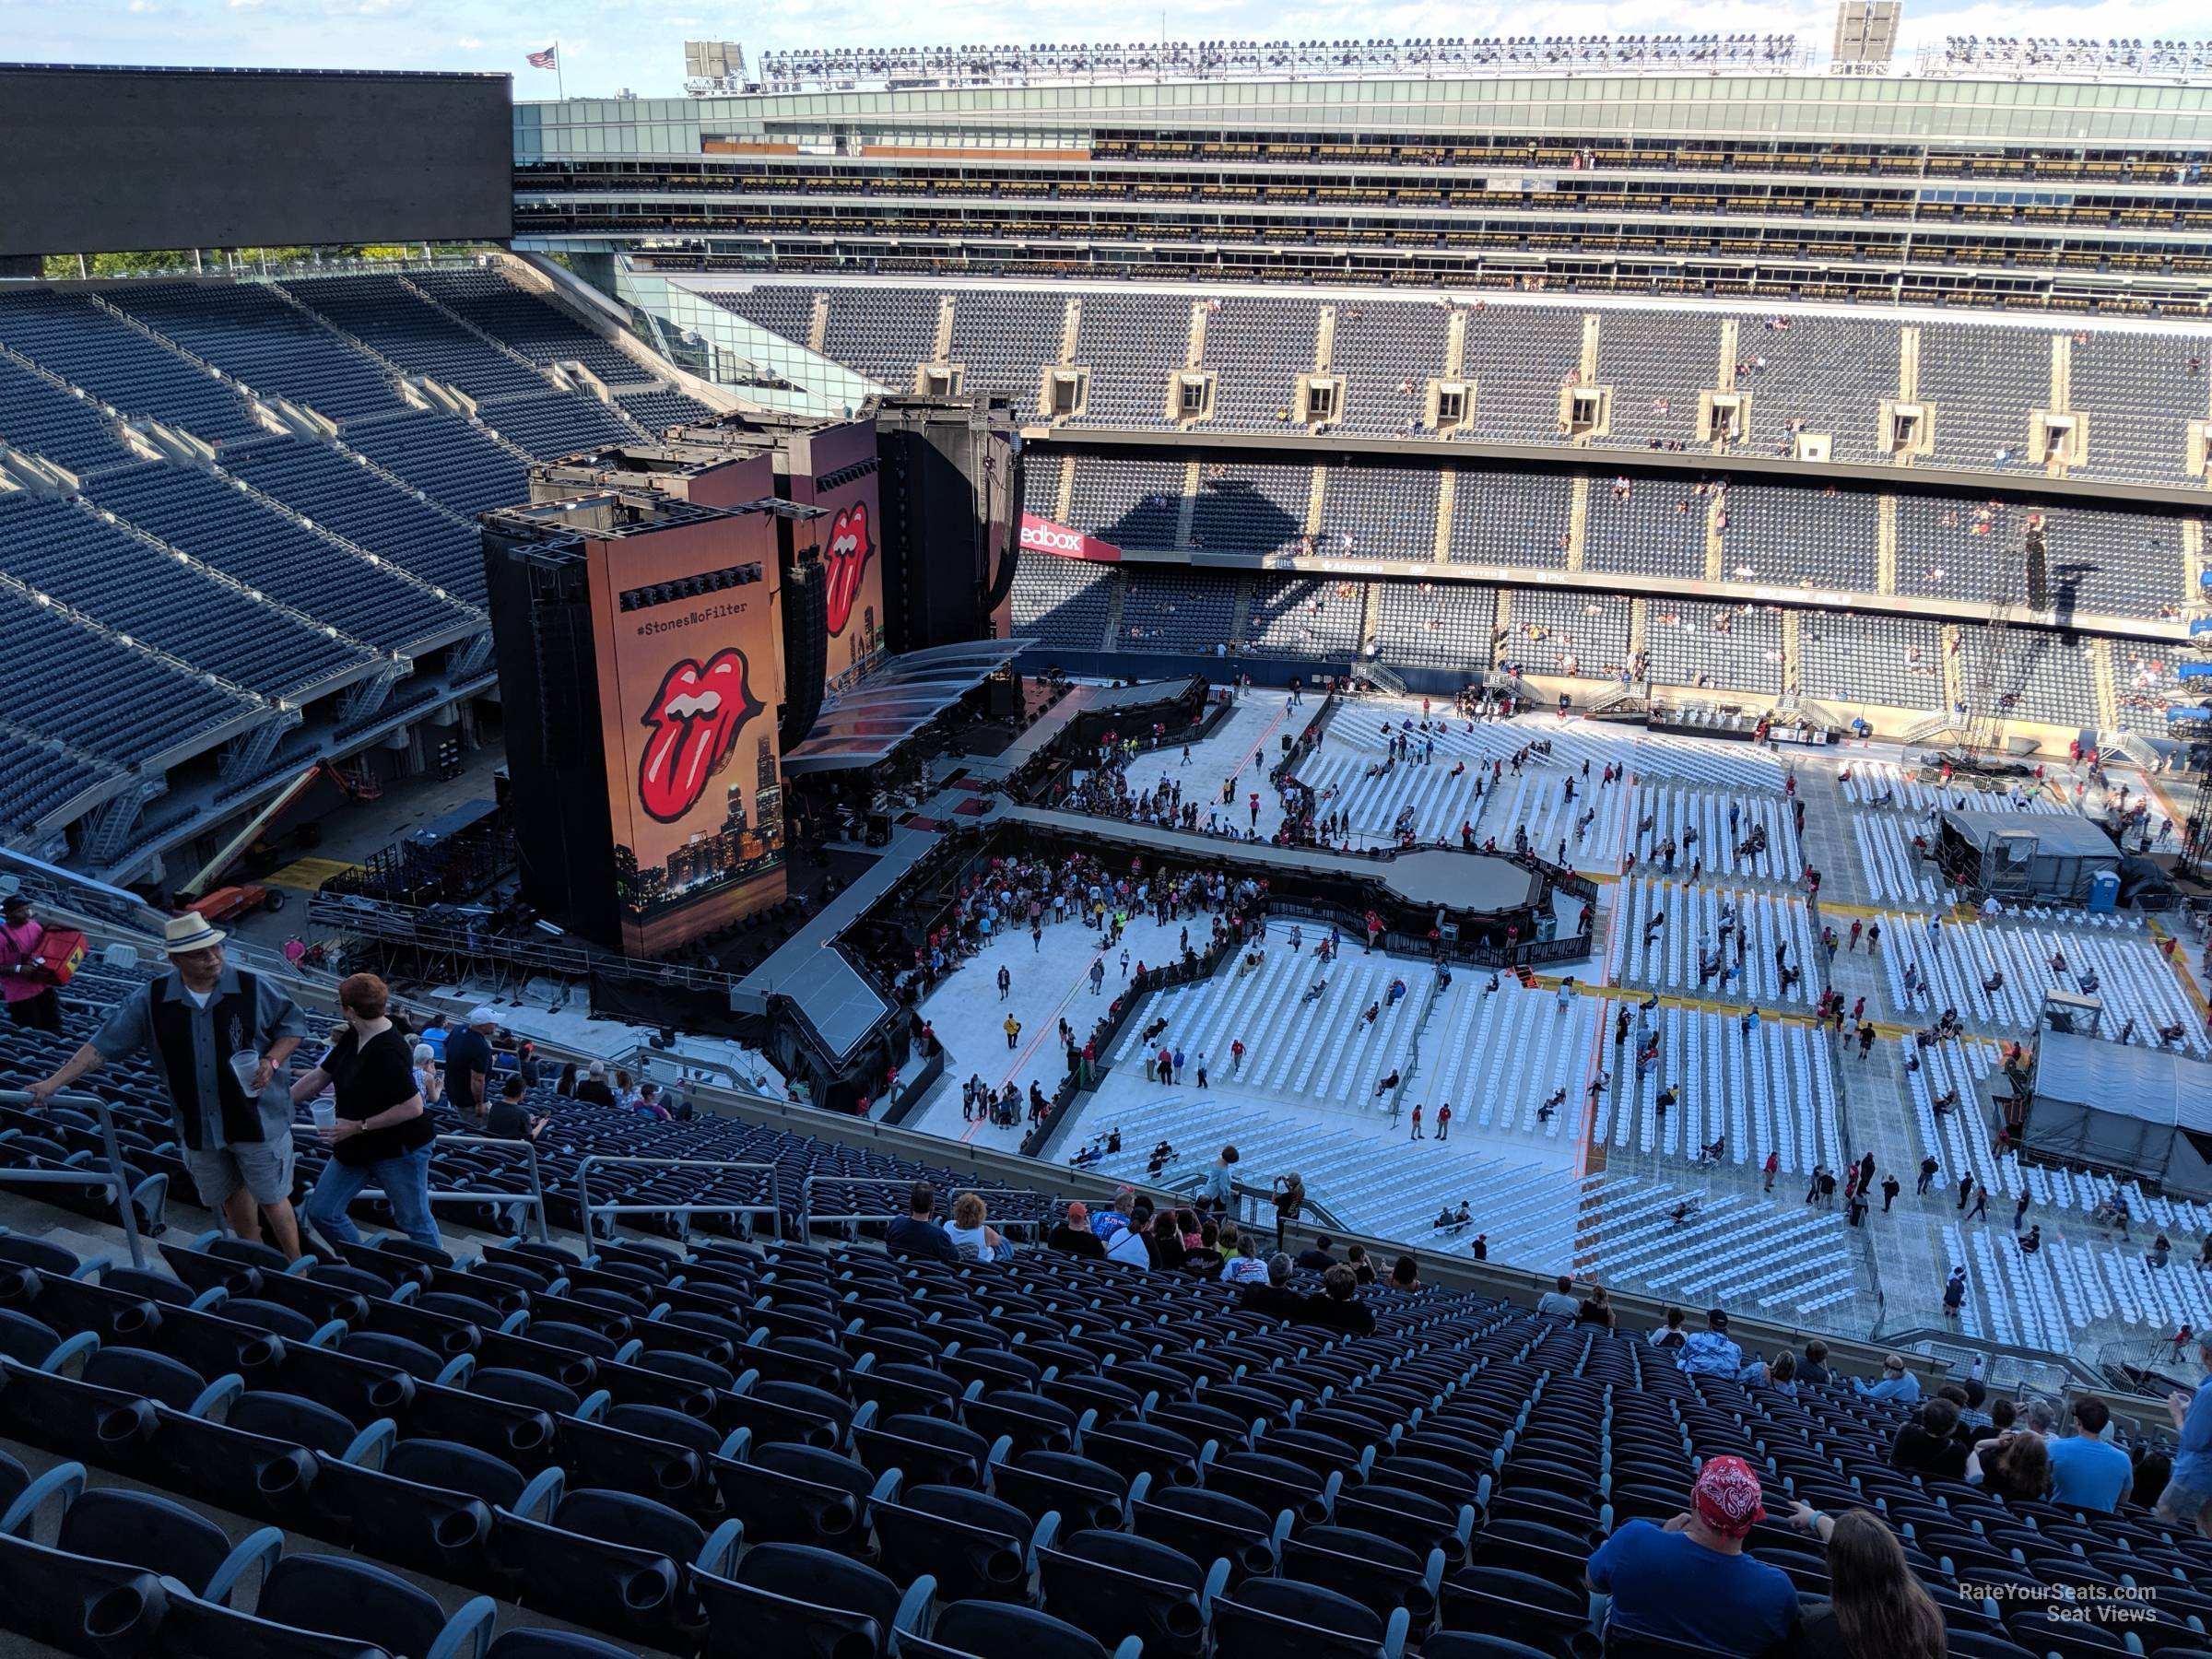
(1296, 1046)
(1663, 928)
(1956, 960)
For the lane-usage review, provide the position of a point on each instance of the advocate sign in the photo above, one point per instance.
(1042, 536)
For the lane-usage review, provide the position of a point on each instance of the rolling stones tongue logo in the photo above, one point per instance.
(695, 718)
(844, 557)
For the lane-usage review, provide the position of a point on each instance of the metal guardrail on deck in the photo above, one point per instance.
(772, 1209)
(115, 1178)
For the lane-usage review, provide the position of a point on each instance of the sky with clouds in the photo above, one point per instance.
(608, 44)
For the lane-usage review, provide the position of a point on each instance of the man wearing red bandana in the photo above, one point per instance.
(1690, 1581)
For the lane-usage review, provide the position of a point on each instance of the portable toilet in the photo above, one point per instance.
(2104, 892)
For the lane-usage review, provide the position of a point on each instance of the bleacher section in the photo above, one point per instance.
(1167, 612)
(1387, 353)
(1717, 647)
(1571, 633)
(221, 525)
(1658, 528)
(525, 323)
(1376, 512)
(1061, 601)
(383, 314)
(2032, 676)
(1251, 509)
(1983, 381)
(1133, 343)
(246, 330)
(120, 703)
(658, 411)
(70, 336)
(559, 424)
(1258, 349)
(1005, 339)
(40, 418)
(1430, 625)
(63, 551)
(1129, 503)
(1302, 617)
(1780, 535)
(1512, 519)
(446, 458)
(335, 489)
(1894, 661)
(882, 332)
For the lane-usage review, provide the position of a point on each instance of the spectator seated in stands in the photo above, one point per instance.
(2015, 1465)
(970, 1237)
(916, 1233)
(1072, 1235)
(1812, 1369)
(593, 1088)
(508, 1119)
(1709, 1352)
(1929, 1443)
(2088, 1472)
(1897, 1383)
(1875, 1608)
(1244, 1267)
(1689, 1581)
(1560, 1300)
(1275, 1298)
(1131, 1245)
(1316, 1255)
(1337, 1306)
(1670, 1334)
(1779, 1373)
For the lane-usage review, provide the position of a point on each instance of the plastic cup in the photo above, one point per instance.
(325, 1114)
(245, 1064)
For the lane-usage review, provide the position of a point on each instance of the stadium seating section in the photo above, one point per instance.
(720, 1444)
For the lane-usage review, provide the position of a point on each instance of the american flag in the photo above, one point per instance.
(548, 59)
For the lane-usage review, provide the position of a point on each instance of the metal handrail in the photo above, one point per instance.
(535, 1202)
(112, 1177)
(1033, 1229)
(772, 1209)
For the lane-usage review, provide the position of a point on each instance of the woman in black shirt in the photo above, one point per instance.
(381, 1136)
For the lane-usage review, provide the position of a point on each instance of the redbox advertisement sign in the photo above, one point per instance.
(1042, 536)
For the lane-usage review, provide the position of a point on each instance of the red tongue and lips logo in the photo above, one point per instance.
(845, 557)
(695, 718)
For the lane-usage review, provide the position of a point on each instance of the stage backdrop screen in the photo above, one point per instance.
(119, 160)
(685, 621)
(836, 470)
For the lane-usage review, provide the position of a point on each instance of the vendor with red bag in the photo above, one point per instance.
(26, 980)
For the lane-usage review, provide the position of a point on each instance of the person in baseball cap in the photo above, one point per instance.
(1689, 1581)
(468, 1062)
(1073, 1233)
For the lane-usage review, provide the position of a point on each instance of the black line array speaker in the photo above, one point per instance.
(2039, 568)
(805, 651)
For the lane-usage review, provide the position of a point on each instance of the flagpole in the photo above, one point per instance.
(561, 75)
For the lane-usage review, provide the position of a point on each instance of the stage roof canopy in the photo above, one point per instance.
(865, 724)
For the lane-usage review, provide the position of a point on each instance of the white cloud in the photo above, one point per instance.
(369, 8)
(466, 42)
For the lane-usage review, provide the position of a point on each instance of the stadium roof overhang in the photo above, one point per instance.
(865, 726)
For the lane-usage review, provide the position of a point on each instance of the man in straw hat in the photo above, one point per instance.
(219, 1037)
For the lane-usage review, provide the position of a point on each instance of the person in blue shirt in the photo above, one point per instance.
(2187, 1500)
(1897, 1383)
(916, 1233)
(1690, 1581)
(2086, 1471)
(1709, 1352)
(1218, 1188)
